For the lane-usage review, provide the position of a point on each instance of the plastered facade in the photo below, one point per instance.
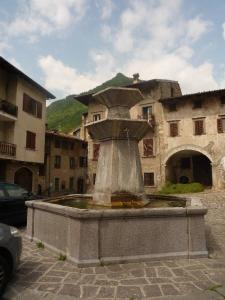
(211, 144)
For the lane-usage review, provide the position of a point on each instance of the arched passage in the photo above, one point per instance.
(189, 166)
(24, 178)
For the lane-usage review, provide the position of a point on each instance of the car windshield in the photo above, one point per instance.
(15, 191)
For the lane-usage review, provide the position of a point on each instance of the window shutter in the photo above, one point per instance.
(25, 103)
(31, 140)
(39, 110)
(173, 129)
(199, 127)
(148, 147)
(96, 148)
(149, 179)
(219, 126)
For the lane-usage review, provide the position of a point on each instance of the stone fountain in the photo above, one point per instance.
(119, 174)
(90, 231)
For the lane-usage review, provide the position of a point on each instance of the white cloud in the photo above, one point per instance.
(106, 32)
(3, 47)
(42, 17)
(174, 67)
(223, 26)
(153, 41)
(197, 27)
(62, 78)
(158, 42)
(107, 7)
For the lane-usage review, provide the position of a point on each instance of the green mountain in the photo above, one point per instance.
(65, 114)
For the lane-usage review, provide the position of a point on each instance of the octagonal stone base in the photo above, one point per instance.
(93, 237)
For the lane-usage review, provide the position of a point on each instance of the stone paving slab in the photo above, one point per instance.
(42, 275)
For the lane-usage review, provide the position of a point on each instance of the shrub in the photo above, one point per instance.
(40, 245)
(181, 188)
(62, 257)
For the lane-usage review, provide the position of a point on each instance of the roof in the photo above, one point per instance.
(63, 135)
(198, 95)
(9, 67)
(142, 86)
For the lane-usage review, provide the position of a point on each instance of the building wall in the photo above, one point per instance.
(12, 89)
(11, 167)
(31, 123)
(211, 144)
(64, 173)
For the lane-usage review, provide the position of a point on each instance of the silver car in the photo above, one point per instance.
(10, 252)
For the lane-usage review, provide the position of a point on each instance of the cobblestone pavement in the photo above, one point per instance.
(43, 276)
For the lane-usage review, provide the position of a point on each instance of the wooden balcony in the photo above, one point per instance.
(7, 149)
(8, 111)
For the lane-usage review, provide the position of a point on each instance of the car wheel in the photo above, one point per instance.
(4, 273)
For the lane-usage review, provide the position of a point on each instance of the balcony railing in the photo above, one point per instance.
(7, 149)
(8, 108)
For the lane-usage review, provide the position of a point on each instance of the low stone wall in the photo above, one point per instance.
(92, 237)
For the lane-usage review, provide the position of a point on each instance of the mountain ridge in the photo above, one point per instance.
(66, 114)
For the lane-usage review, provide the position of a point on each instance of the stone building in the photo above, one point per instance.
(187, 143)
(22, 126)
(65, 167)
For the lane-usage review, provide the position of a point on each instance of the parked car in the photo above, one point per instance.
(10, 252)
(13, 210)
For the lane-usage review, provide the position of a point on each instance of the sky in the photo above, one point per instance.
(71, 46)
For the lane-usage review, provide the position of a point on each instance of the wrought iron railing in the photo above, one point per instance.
(7, 149)
(8, 108)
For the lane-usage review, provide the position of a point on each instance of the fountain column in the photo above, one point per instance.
(119, 172)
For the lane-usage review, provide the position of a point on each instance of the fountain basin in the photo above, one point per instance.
(95, 236)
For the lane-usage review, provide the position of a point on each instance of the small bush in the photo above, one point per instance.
(62, 257)
(40, 245)
(181, 188)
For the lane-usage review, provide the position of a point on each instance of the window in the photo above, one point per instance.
(172, 91)
(96, 117)
(31, 140)
(57, 143)
(94, 178)
(32, 106)
(71, 183)
(42, 170)
(71, 146)
(185, 163)
(197, 104)
(83, 162)
(148, 147)
(199, 127)
(172, 107)
(148, 179)
(57, 163)
(63, 185)
(96, 148)
(56, 184)
(222, 100)
(173, 129)
(72, 162)
(221, 125)
(146, 112)
(65, 145)
(84, 145)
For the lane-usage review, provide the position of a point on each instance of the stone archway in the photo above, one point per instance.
(24, 178)
(189, 165)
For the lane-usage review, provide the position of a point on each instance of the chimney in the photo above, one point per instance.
(136, 78)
